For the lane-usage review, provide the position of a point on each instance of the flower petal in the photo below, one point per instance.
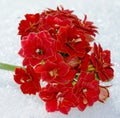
(104, 94)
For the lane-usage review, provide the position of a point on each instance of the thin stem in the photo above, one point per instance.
(8, 67)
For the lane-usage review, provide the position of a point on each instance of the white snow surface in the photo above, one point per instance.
(106, 16)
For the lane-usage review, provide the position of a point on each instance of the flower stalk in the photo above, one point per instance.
(8, 67)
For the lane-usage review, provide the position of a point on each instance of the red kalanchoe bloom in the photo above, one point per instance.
(37, 47)
(88, 29)
(58, 97)
(86, 90)
(57, 71)
(79, 64)
(71, 42)
(101, 61)
(52, 23)
(29, 80)
(30, 24)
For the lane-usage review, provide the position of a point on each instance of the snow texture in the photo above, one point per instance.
(106, 16)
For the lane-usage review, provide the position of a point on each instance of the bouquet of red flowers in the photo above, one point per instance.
(60, 62)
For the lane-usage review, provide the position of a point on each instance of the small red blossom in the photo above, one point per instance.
(37, 47)
(53, 23)
(28, 80)
(30, 24)
(72, 42)
(89, 28)
(79, 64)
(87, 90)
(101, 61)
(58, 97)
(58, 71)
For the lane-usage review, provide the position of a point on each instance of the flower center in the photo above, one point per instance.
(53, 73)
(29, 79)
(64, 54)
(84, 90)
(21, 80)
(85, 101)
(77, 40)
(59, 98)
(39, 51)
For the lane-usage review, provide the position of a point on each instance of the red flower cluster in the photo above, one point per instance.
(55, 46)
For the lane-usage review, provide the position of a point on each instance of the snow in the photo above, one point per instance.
(104, 13)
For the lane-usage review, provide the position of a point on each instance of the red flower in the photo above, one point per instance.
(72, 42)
(28, 80)
(88, 28)
(37, 47)
(58, 97)
(52, 23)
(79, 64)
(86, 90)
(57, 71)
(101, 61)
(30, 24)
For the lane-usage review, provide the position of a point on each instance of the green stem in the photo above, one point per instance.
(8, 67)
